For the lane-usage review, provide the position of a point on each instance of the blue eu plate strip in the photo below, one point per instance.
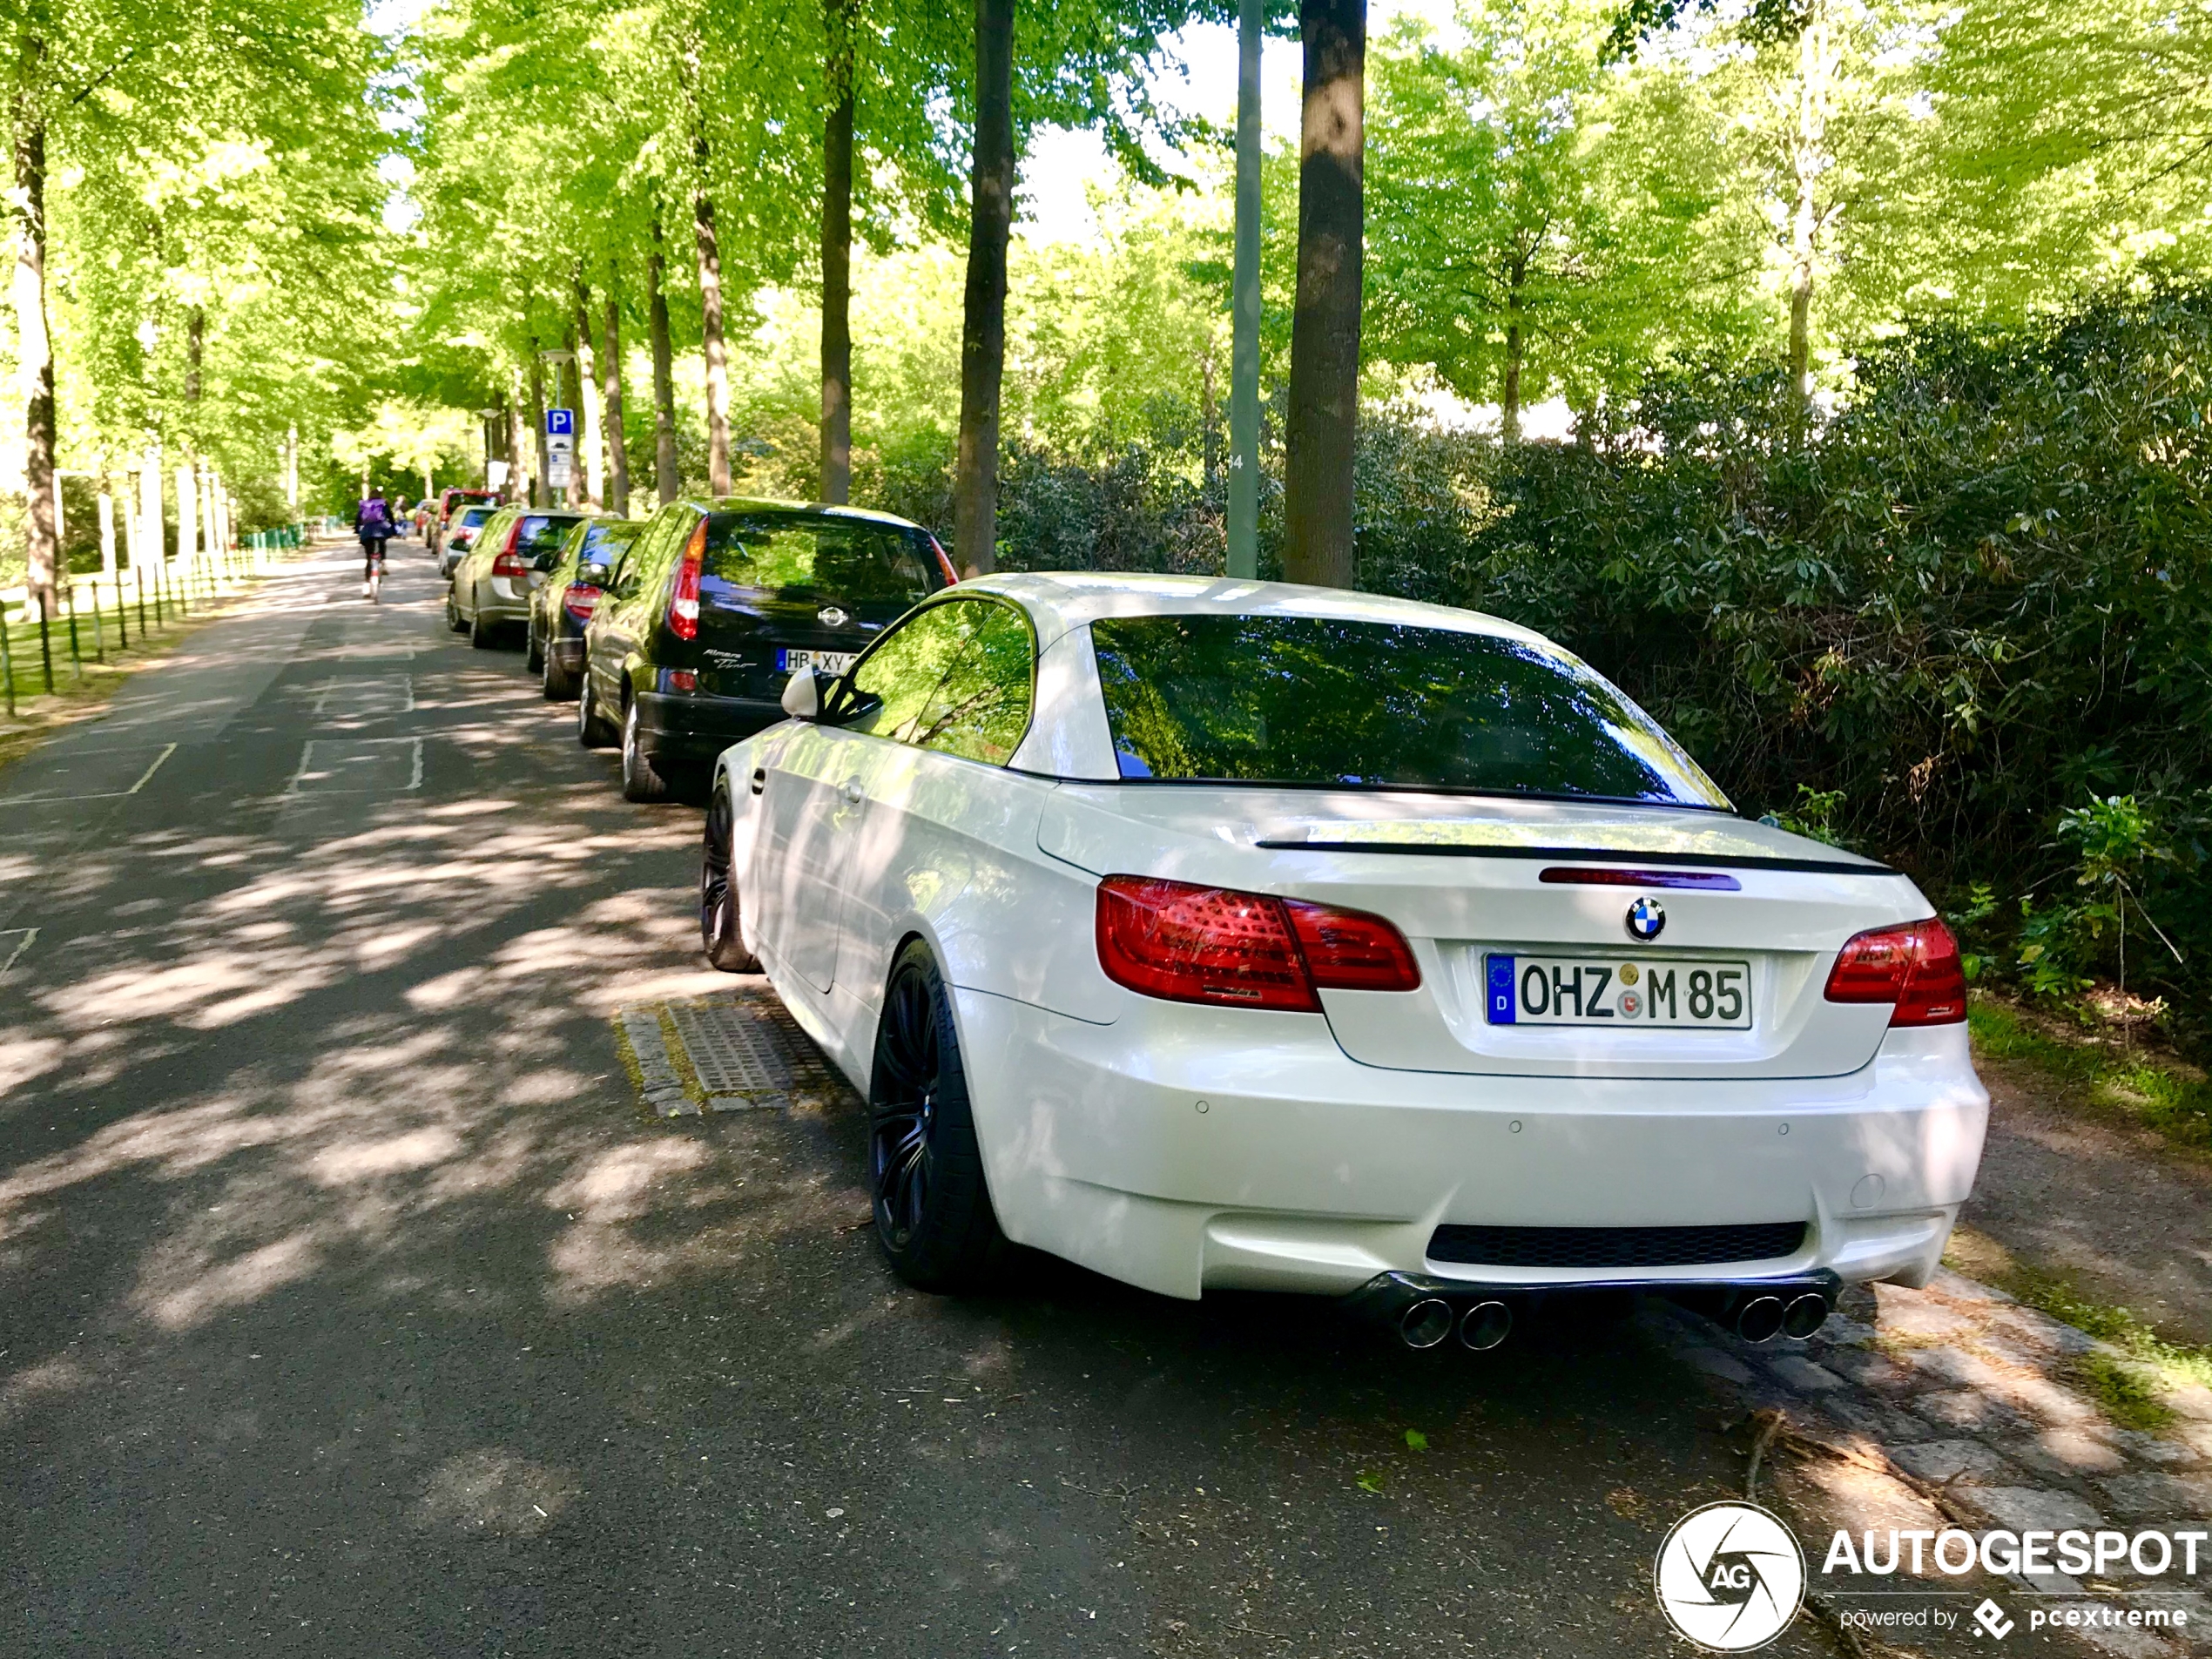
(1500, 970)
(782, 665)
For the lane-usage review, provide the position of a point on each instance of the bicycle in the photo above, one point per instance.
(372, 589)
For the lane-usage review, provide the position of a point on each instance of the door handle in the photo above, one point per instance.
(852, 793)
(759, 778)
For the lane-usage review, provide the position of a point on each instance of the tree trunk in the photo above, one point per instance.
(589, 437)
(1242, 557)
(34, 346)
(666, 481)
(836, 257)
(195, 352)
(611, 384)
(711, 342)
(982, 354)
(1810, 163)
(1509, 395)
(540, 493)
(1323, 422)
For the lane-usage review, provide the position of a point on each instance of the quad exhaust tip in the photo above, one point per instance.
(1764, 1318)
(1427, 1323)
(1484, 1326)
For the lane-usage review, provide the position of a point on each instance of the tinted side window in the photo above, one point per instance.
(892, 685)
(956, 678)
(981, 708)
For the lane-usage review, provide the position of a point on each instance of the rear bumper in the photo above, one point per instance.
(1195, 1149)
(692, 731)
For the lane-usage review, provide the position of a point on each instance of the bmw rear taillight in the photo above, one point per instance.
(683, 603)
(1196, 944)
(1914, 967)
(580, 601)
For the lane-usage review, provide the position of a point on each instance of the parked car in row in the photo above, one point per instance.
(460, 533)
(450, 501)
(1237, 934)
(508, 559)
(563, 604)
(717, 605)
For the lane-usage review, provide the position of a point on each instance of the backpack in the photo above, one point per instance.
(374, 513)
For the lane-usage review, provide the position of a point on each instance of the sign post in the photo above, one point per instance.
(560, 448)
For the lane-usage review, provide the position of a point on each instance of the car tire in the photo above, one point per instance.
(533, 659)
(642, 781)
(719, 931)
(591, 729)
(557, 683)
(479, 631)
(452, 615)
(933, 1218)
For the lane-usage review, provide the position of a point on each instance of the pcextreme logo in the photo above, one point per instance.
(1730, 1577)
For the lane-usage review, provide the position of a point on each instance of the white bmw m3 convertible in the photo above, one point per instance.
(1212, 932)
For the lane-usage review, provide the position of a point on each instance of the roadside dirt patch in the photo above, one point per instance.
(2077, 1195)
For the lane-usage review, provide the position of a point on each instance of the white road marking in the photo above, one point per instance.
(305, 772)
(147, 774)
(368, 695)
(30, 937)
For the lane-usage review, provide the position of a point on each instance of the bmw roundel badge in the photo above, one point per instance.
(1646, 920)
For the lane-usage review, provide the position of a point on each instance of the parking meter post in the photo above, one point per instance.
(7, 664)
(99, 628)
(159, 620)
(122, 615)
(76, 652)
(46, 648)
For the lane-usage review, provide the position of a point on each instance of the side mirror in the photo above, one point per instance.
(593, 576)
(803, 696)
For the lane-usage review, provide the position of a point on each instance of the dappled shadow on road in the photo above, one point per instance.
(339, 1255)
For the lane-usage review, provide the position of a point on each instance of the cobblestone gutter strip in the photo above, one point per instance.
(645, 1053)
(1958, 1406)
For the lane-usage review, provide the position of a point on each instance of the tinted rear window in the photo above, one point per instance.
(816, 559)
(1307, 700)
(469, 517)
(542, 533)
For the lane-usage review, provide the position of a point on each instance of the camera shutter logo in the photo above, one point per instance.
(1647, 917)
(1730, 1577)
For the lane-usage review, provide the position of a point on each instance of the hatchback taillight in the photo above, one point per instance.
(1914, 966)
(683, 603)
(510, 565)
(580, 601)
(1194, 944)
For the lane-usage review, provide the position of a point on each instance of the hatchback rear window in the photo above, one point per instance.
(1327, 701)
(541, 537)
(472, 517)
(808, 557)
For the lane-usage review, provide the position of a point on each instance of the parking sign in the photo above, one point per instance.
(560, 423)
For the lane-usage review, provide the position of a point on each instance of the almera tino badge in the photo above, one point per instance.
(1646, 920)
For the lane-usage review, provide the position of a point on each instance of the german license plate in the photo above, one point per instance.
(1577, 990)
(831, 663)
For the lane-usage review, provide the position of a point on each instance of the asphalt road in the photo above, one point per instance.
(349, 1303)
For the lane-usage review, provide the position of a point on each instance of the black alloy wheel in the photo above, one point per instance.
(533, 657)
(479, 630)
(453, 613)
(558, 684)
(642, 781)
(934, 1219)
(718, 929)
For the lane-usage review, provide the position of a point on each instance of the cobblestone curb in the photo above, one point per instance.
(1957, 1406)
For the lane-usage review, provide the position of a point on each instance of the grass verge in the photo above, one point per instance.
(2129, 1383)
(2144, 1088)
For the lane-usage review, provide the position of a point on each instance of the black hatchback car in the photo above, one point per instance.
(717, 603)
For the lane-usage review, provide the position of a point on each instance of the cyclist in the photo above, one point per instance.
(373, 523)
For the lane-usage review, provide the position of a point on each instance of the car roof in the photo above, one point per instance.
(1060, 600)
(770, 504)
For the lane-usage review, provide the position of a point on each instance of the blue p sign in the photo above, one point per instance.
(559, 422)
